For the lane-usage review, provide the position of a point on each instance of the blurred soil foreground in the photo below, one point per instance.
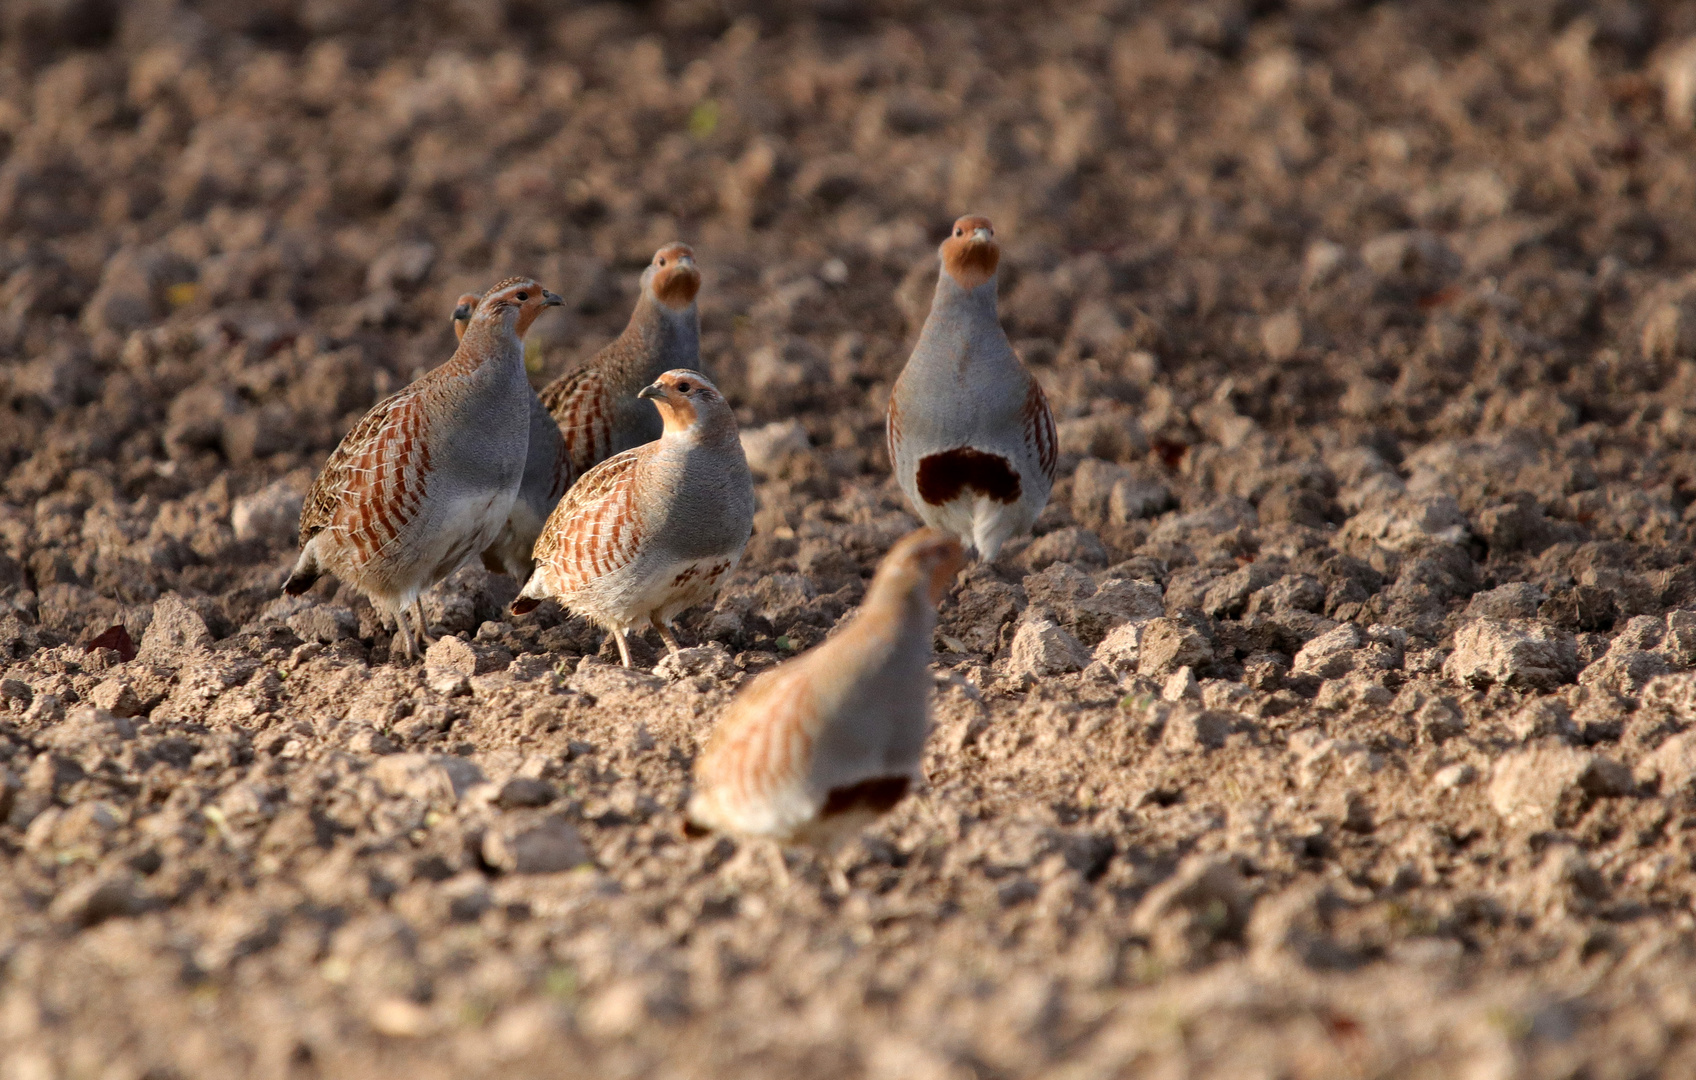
(1339, 720)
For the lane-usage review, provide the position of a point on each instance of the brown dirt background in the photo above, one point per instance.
(1371, 326)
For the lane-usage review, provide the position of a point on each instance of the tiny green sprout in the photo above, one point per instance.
(561, 982)
(703, 119)
(784, 644)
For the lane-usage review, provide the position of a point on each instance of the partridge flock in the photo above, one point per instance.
(622, 492)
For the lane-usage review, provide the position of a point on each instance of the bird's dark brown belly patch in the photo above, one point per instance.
(878, 795)
(942, 477)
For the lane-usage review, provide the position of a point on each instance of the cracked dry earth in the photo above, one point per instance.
(1339, 720)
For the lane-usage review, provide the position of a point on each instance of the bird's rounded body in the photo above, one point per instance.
(655, 530)
(595, 406)
(427, 479)
(971, 437)
(819, 747)
(547, 473)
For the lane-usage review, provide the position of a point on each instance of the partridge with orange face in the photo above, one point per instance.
(596, 406)
(971, 436)
(819, 747)
(428, 478)
(653, 531)
(546, 476)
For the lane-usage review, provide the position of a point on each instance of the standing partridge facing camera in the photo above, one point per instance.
(427, 479)
(971, 437)
(546, 476)
(817, 748)
(597, 407)
(655, 530)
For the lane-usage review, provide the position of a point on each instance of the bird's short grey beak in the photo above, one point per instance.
(980, 235)
(686, 260)
(463, 311)
(653, 392)
(551, 299)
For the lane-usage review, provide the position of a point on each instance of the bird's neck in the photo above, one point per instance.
(951, 299)
(658, 334)
(897, 615)
(485, 344)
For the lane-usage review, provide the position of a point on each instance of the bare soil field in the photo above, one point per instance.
(1338, 721)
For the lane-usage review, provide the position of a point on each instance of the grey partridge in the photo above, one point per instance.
(971, 436)
(655, 530)
(427, 479)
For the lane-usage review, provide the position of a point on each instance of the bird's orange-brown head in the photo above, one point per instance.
(970, 254)
(674, 276)
(924, 559)
(683, 397)
(518, 294)
(462, 309)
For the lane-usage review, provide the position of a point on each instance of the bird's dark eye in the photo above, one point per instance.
(523, 296)
(684, 387)
(959, 231)
(660, 261)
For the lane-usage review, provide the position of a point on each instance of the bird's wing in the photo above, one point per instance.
(1038, 421)
(597, 527)
(374, 481)
(580, 404)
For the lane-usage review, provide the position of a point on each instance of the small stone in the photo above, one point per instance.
(326, 623)
(767, 447)
(1280, 335)
(1673, 763)
(269, 515)
(427, 778)
(1044, 647)
(15, 694)
(1523, 657)
(1453, 776)
(1545, 787)
(400, 1018)
(1181, 685)
(1516, 600)
(1409, 523)
(117, 697)
(524, 791)
(1624, 671)
(45, 709)
(466, 658)
(1120, 649)
(176, 628)
(1543, 717)
(549, 848)
(1190, 729)
(1329, 655)
(1169, 644)
(711, 660)
(616, 1011)
(91, 902)
(370, 741)
(1073, 544)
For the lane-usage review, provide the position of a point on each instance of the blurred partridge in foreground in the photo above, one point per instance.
(546, 476)
(596, 406)
(814, 750)
(655, 530)
(971, 436)
(428, 478)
